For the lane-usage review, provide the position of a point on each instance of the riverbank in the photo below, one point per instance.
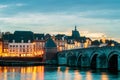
(20, 61)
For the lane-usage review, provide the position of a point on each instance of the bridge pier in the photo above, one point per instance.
(85, 62)
(71, 61)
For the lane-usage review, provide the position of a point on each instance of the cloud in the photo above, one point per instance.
(35, 18)
(102, 14)
(20, 4)
(93, 35)
(61, 23)
(57, 19)
(3, 6)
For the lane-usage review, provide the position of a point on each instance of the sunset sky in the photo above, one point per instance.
(95, 17)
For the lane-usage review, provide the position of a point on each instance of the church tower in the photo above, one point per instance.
(75, 33)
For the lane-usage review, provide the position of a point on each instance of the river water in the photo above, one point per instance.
(54, 73)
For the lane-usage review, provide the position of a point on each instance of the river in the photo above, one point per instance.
(54, 73)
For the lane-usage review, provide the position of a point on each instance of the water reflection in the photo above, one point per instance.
(22, 73)
(104, 76)
(63, 73)
(88, 75)
(53, 73)
(77, 76)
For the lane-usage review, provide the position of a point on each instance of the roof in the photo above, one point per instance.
(23, 35)
(39, 36)
(8, 37)
(18, 36)
(60, 36)
(50, 43)
(80, 39)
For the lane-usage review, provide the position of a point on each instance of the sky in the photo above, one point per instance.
(93, 18)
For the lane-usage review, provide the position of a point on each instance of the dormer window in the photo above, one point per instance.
(29, 41)
(63, 38)
(22, 41)
(36, 38)
(13, 41)
(71, 41)
(42, 38)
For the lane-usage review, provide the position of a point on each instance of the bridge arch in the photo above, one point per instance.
(113, 60)
(71, 59)
(98, 60)
(93, 59)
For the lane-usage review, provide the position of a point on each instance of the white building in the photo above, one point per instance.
(24, 43)
(21, 49)
(21, 43)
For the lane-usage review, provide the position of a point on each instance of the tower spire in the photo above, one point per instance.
(75, 28)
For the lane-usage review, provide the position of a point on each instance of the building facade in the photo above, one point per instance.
(39, 40)
(21, 43)
(21, 49)
(61, 42)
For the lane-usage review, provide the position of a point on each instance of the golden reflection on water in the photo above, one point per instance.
(89, 75)
(104, 76)
(77, 75)
(60, 74)
(63, 73)
(22, 73)
(5, 73)
(67, 74)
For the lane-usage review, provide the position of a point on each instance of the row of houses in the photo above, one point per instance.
(27, 43)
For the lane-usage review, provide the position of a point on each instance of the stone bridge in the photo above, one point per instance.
(94, 57)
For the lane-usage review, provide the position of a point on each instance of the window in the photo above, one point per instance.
(23, 50)
(27, 50)
(10, 50)
(27, 46)
(29, 41)
(22, 41)
(10, 45)
(13, 41)
(20, 50)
